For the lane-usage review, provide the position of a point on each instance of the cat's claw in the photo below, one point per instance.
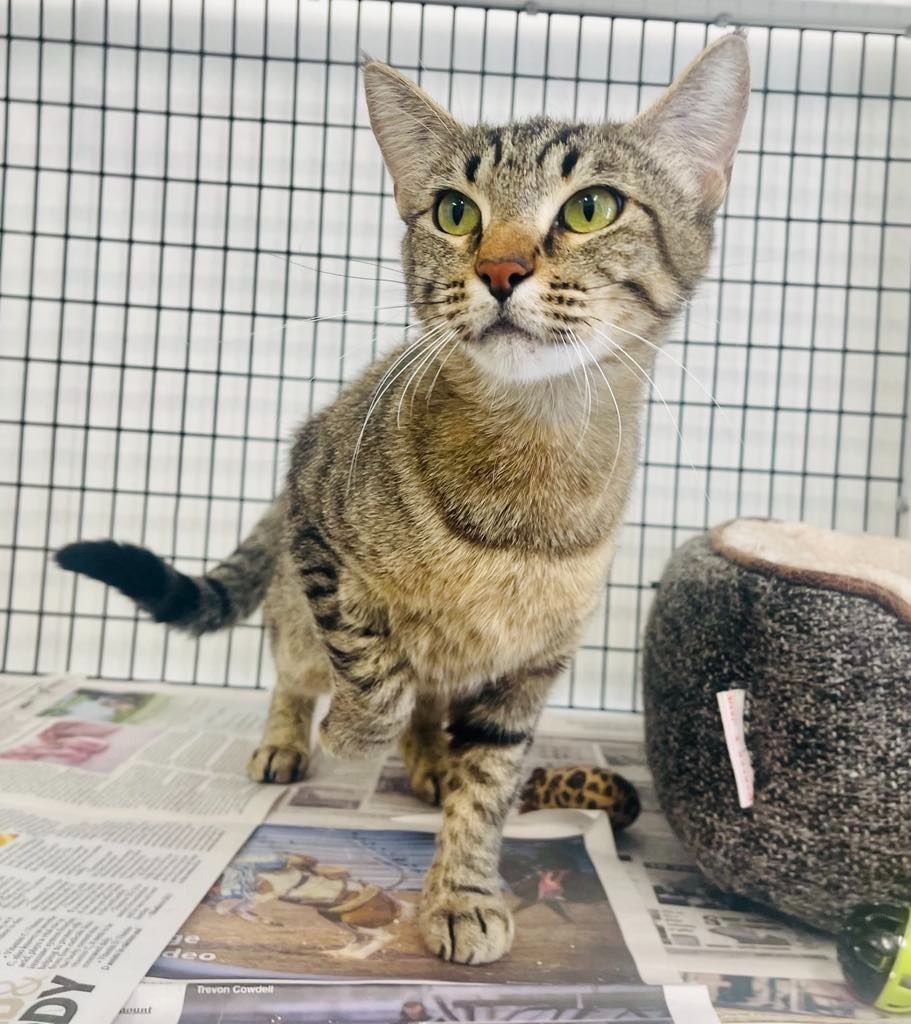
(269, 763)
(467, 928)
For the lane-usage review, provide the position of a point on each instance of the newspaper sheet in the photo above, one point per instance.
(408, 1003)
(755, 966)
(124, 807)
(120, 806)
(767, 1000)
(309, 901)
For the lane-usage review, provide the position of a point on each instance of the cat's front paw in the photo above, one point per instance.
(466, 927)
(272, 763)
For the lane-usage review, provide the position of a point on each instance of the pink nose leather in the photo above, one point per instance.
(502, 276)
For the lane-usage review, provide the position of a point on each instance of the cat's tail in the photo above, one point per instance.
(195, 604)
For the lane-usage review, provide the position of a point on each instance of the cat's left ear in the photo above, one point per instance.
(412, 130)
(696, 124)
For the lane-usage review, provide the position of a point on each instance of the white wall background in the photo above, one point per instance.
(186, 186)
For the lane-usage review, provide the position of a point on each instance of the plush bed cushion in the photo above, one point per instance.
(813, 626)
(876, 567)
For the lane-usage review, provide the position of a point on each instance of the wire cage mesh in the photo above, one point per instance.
(199, 248)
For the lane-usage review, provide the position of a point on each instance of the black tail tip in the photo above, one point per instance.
(85, 555)
(134, 571)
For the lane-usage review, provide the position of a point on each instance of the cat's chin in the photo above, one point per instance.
(511, 355)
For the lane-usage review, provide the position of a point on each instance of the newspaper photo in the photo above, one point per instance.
(301, 901)
(120, 805)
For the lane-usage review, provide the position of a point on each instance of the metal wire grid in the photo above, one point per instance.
(187, 185)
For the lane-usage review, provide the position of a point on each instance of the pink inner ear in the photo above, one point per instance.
(715, 184)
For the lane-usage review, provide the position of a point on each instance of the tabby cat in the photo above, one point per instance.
(448, 523)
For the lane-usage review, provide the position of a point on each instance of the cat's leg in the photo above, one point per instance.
(303, 672)
(464, 917)
(373, 693)
(373, 687)
(424, 747)
(284, 751)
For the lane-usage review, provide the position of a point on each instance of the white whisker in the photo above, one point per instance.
(434, 328)
(286, 325)
(588, 395)
(622, 354)
(572, 366)
(329, 273)
(436, 376)
(422, 364)
(708, 394)
(679, 296)
(406, 357)
(352, 259)
(424, 339)
(613, 398)
(427, 365)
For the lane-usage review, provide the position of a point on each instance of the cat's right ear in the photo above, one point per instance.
(695, 125)
(411, 129)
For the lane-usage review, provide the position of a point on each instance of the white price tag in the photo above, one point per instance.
(731, 704)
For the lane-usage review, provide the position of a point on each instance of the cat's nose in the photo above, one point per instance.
(502, 277)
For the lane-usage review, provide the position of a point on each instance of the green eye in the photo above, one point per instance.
(591, 209)
(457, 214)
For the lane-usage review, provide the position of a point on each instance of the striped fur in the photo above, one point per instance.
(196, 604)
(448, 523)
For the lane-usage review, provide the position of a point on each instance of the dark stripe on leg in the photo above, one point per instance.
(326, 569)
(552, 669)
(340, 659)
(310, 535)
(478, 775)
(466, 733)
(328, 621)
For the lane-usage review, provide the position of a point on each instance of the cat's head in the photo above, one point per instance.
(543, 243)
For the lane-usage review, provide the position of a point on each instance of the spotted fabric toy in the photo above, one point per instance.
(585, 786)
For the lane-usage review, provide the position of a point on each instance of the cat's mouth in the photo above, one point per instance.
(504, 327)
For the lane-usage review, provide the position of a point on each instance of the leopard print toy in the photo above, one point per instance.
(584, 786)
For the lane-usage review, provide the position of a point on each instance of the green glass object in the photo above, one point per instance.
(875, 953)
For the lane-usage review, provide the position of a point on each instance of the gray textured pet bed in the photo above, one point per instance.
(816, 627)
